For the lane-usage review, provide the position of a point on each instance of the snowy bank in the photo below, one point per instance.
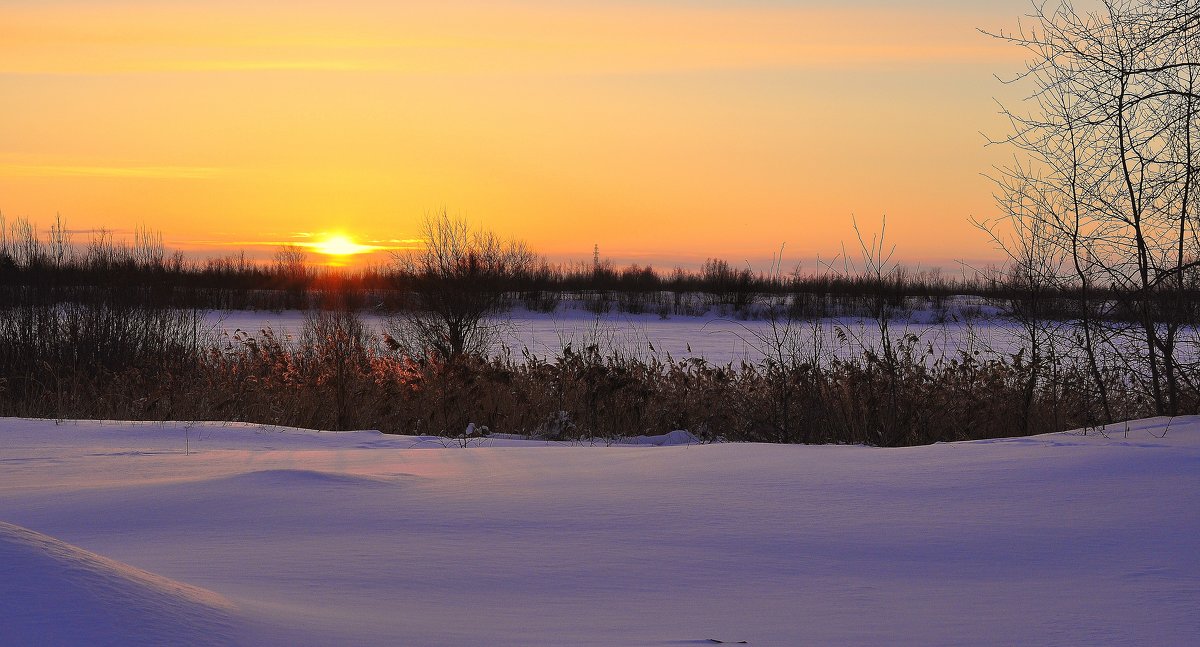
(123, 533)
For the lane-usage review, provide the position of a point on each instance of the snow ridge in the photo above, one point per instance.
(54, 593)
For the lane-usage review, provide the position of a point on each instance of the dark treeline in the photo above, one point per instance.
(54, 266)
(290, 281)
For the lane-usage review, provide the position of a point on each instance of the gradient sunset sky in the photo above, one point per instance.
(665, 131)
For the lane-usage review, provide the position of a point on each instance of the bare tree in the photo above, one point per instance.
(1107, 159)
(457, 281)
(1034, 275)
(292, 274)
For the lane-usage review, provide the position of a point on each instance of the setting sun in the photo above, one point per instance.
(340, 245)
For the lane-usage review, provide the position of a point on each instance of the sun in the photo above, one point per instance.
(340, 245)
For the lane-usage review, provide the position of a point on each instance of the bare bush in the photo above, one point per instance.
(457, 280)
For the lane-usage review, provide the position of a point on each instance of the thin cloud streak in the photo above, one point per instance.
(370, 247)
(491, 38)
(132, 172)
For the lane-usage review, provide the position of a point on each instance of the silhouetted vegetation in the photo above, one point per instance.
(51, 263)
(338, 375)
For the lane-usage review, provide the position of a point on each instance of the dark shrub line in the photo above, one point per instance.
(52, 265)
(89, 361)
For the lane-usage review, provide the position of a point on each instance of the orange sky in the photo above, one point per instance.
(662, 130)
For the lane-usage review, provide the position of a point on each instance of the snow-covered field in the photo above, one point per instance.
(129, 534)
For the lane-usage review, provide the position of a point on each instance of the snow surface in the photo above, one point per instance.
(712, 337)
(209, 533)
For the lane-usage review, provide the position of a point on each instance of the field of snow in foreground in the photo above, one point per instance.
(110, 534)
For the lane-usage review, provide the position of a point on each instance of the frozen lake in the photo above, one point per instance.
(714, 338)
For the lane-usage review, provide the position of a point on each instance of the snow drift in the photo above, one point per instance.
(214, 533)
(55, 593)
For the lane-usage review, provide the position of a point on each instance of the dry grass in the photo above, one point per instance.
(90, 362)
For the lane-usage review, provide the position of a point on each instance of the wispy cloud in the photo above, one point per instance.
(499, 36)
(131, 172)
(368, 247)
(267, 65)
(399, 241)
